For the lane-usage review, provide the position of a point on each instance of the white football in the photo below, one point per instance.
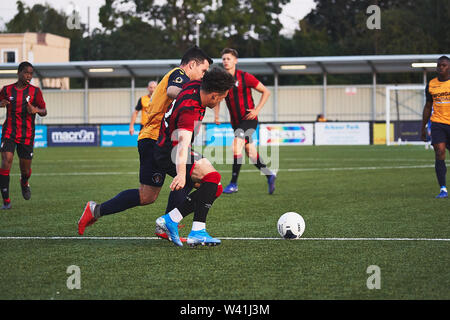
(291, 225)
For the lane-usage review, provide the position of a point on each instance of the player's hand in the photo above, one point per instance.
(31, 109)
(217, 121)
(178, 182)
(4, 103)
(131, 131)
(251, 115)
(424, 134)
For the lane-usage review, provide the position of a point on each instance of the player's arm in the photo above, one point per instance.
(3, 101)
(133, 120)
(39, 106)
(265, 95)
(173, 91)
(427, 109)
(175, 83)
(425, 118)
(182, 150)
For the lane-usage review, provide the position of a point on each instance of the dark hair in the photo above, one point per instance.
(196, 54)
(217, 80)
(444, 58)
(24, 65)
(230, 50)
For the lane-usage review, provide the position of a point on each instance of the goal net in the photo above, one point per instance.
(404, 107)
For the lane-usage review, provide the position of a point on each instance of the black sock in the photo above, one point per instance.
(24, 178)
(187, 206)
(262, 166)
(125, 200)
(237, 163)
(203, 200)
(4, 185)
(441, 171)
(178, 197)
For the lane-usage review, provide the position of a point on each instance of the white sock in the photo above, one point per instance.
(444, 189)
(175, 215)
(196, 225)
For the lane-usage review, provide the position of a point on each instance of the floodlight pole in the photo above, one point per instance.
(197, 28)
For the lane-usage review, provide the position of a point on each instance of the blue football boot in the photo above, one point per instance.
(170, 227)
(442, 194)
(201, 237)
(231, 188)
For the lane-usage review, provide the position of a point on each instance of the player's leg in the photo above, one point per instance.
(253, 155)
(202, 173)
(151, 182)
(25, 154)
(439, 133)
(7, 149)
(237, 146)
(210, 189)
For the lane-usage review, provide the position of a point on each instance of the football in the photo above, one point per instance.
(291, 225)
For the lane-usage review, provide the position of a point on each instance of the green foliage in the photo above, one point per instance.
(148, 29)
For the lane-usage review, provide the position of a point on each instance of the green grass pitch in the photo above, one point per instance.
(349, 196)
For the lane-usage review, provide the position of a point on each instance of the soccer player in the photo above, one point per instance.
(438, 99)
(244, 118)
(143, 101)
(194, 64)
(173, 156)
(22, 101)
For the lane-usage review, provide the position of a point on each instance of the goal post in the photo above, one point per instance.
(412, 104)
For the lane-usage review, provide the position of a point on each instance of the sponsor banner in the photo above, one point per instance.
(118, 135)
(379, 133)
(286, 134)
(72, 136)
(223, 134)
(341, 133)
(40, 136)
(408, 130)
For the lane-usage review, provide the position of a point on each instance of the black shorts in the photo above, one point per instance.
(154, 164)
(23, 151)
(440, 132)
(245, 130)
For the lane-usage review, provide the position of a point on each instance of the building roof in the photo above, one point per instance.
(281, 66)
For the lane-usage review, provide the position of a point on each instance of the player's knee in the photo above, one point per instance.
(147, 198)
(213, 177)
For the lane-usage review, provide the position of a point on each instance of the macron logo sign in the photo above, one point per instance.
(82, 136)
(73, 136)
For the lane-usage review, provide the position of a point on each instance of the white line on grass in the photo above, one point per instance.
(94, 173)
(222, 238)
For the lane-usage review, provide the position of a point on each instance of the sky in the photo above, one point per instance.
(292, 12)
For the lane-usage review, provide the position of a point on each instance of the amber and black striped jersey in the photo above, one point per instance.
(159, 103)
(19, 124)
(239, 99)
(438, 92)
(143, 103)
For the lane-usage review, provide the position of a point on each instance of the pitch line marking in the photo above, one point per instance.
(222, 238)
(249, 170)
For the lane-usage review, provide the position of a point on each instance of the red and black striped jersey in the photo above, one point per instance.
(19, 124)
(185, 113)
(239, 99)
